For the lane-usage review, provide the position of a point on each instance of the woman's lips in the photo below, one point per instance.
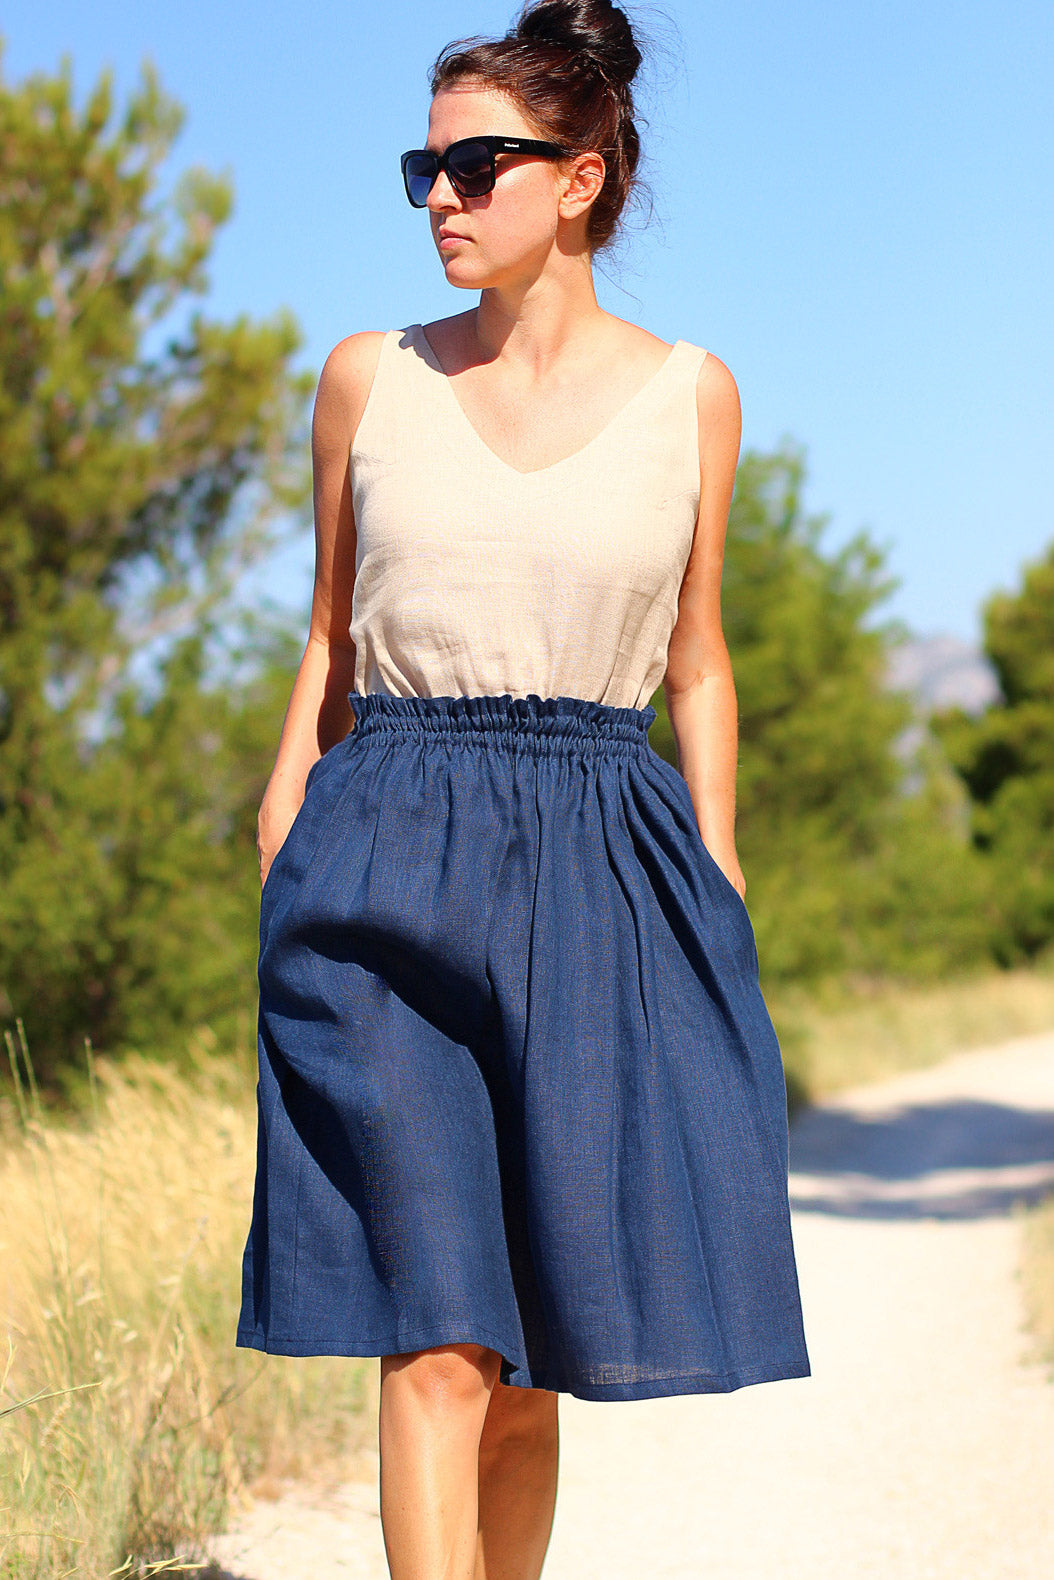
(448, 241)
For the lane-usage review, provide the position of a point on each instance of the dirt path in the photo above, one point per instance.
(921, 1448)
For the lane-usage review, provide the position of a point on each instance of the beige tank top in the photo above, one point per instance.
(475, 579)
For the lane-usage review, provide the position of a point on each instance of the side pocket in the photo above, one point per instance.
(316, 775)
(694, 835)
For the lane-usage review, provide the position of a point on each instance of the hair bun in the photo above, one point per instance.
(595, 28)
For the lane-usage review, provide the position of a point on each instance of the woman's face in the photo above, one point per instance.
(507, 234)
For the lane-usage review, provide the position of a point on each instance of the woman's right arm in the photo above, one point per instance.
(319, 715)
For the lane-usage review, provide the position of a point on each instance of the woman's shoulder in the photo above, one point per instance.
(348, 373)
(716, 391)
(717, 394)
(355, 355)
(716, 382)
(717, 405)
(715, 379)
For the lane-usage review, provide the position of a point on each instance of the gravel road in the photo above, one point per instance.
(921, 1448)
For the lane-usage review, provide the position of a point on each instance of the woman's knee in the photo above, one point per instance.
(445, 1375)
(521, 1419)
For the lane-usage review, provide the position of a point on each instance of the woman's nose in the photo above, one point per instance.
(442, 195)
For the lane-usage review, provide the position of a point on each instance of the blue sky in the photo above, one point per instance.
(854, 210)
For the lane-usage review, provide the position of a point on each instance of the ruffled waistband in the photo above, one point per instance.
(539, 723)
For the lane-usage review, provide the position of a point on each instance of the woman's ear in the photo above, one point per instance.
(583, 183)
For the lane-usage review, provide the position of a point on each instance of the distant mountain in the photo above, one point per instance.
(943, 671)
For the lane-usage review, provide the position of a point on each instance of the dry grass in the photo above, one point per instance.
(847, 1034)
(1037, 1279)
(131, 1427)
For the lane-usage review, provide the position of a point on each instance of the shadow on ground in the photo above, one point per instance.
(962, 1158)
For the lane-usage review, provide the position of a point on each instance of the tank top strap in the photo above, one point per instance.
(386, 405)
(692, 358)
(677, 419)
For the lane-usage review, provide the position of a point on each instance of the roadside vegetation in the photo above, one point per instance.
(845, 1032)
(1037, 1280)
(132, 1426)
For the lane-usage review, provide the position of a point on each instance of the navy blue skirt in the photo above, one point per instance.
(518, 1086)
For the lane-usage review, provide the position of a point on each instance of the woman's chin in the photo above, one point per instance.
(466, 279)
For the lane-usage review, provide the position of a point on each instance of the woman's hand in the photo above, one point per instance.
(728, 861)
(266, 858)
(272, 830)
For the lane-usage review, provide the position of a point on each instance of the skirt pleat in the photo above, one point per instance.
(518, 1084)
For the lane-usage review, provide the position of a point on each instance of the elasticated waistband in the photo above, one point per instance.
(531, 723)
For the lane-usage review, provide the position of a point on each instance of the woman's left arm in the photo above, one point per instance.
(700, 692)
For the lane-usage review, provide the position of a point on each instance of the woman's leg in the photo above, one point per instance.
(432, 1409)
(518, 1455)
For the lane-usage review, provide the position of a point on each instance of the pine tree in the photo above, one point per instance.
(146, 453)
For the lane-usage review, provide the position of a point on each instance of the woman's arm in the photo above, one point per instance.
(319, 715)
(700, 691)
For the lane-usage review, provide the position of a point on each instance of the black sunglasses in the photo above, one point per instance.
(469, 163)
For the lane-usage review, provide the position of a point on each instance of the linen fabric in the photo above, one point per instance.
(518, 1085)
(473, 578)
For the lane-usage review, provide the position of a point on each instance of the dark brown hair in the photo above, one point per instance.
(568, 65)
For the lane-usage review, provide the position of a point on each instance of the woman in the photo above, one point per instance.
(522, 1111)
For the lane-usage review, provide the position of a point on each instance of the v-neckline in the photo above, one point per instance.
(423, 344)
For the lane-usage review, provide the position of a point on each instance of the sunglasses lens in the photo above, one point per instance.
(470, 169)
(419, 172)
